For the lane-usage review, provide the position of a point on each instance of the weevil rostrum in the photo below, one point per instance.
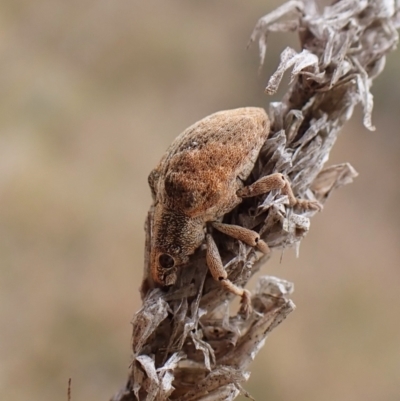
(198, 180)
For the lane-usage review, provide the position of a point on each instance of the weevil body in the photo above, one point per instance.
(198, 180)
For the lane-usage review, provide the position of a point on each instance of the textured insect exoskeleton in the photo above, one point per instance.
(198, 180)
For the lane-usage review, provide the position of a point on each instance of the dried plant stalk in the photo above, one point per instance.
(185, 345)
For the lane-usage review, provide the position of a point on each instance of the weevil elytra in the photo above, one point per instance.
(198, 180)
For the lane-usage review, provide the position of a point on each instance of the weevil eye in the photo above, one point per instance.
(166, 261)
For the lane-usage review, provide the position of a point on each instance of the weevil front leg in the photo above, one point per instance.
(277, 181)
(218, 272)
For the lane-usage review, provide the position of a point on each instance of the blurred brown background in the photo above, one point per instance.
(92, 93)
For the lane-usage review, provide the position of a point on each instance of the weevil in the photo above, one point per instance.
(199, 179)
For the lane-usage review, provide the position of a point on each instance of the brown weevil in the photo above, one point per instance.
(200, 179)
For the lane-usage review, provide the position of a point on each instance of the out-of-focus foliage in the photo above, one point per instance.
(92, 93)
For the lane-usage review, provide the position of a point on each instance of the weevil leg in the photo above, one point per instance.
(245, 235)
(277, 181)
(218, 272)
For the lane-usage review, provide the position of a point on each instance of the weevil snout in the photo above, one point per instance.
(175, 237)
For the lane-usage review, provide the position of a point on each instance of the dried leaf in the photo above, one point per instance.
(153, 383)
(331, 178)
(144, 323)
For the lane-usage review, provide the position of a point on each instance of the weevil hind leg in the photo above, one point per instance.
(219, 273)
(277, 181)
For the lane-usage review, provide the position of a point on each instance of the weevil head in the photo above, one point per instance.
(175, 238)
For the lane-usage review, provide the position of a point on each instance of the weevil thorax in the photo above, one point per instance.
(175, 237)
